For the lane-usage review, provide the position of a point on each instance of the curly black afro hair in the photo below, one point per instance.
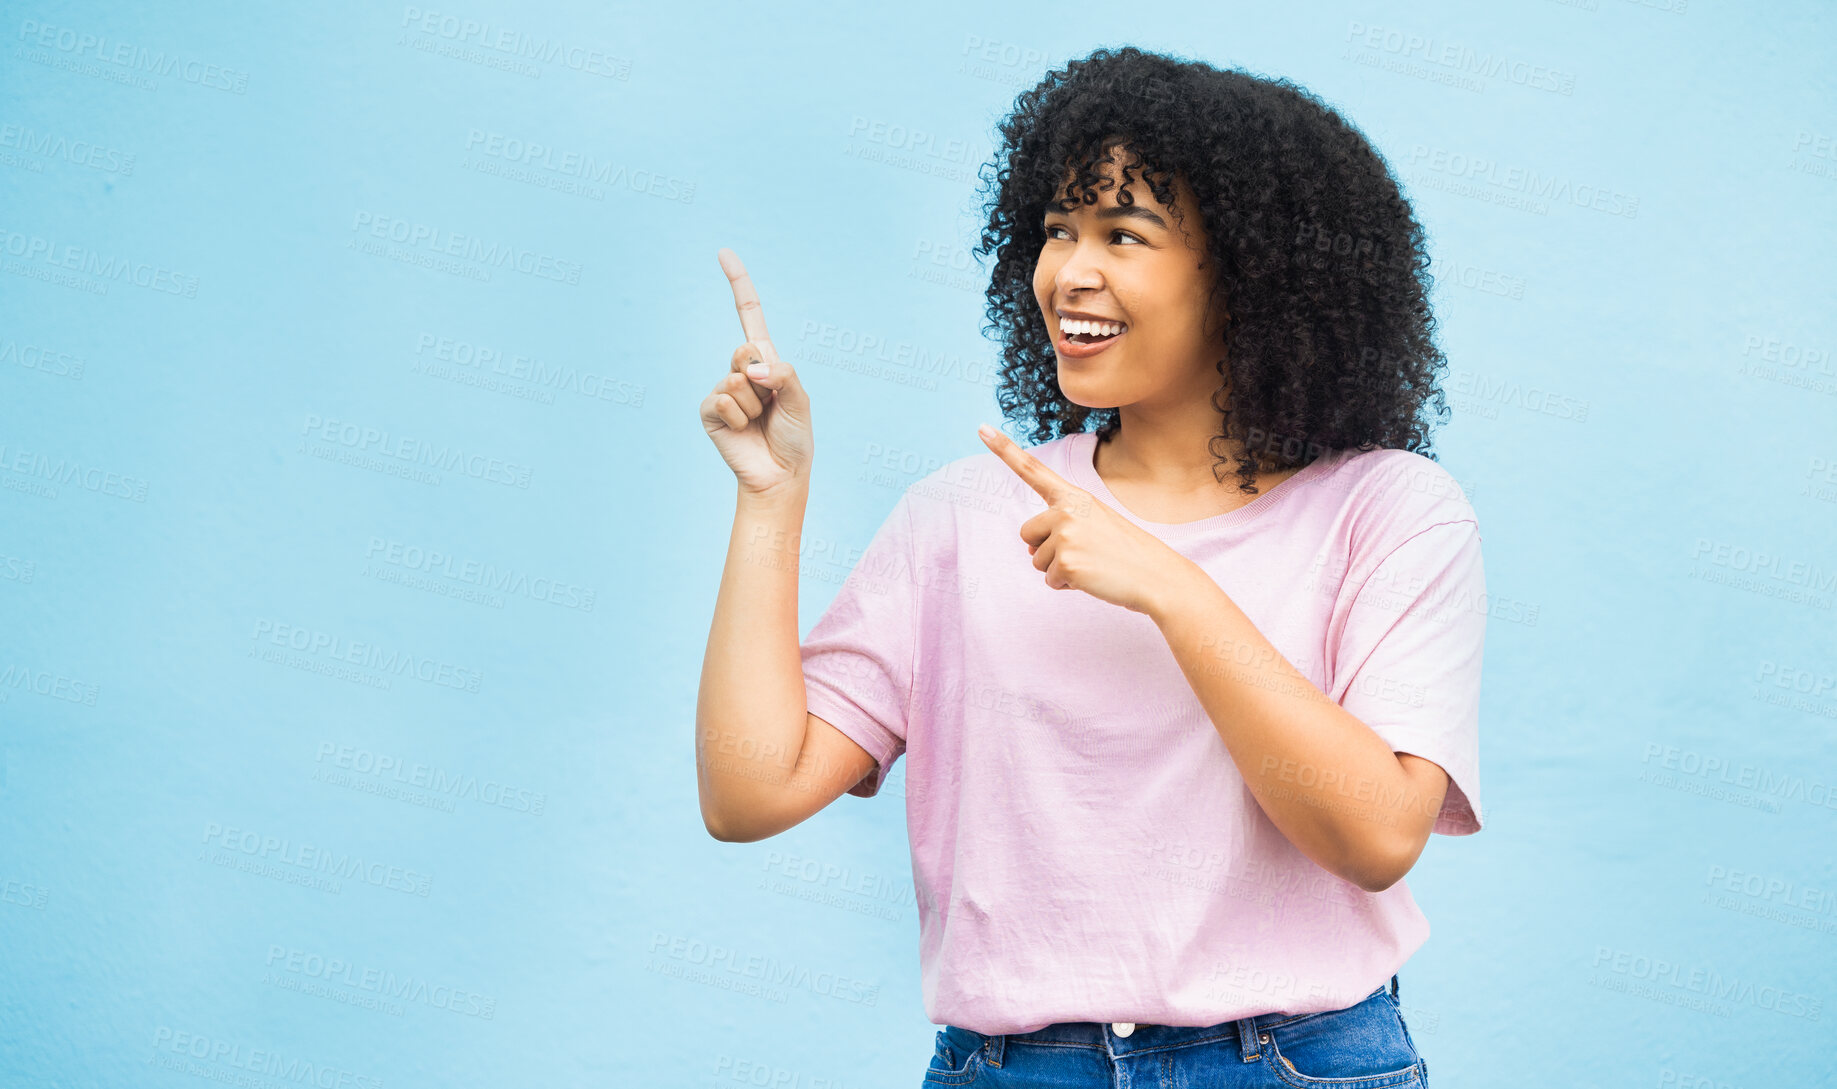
(1318, 259)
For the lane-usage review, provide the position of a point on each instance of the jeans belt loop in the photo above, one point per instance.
(1249, 1040)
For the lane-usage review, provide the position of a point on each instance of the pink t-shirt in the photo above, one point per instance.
(1083, 846)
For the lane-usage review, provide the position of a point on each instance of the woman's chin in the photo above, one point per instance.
(1080, 390)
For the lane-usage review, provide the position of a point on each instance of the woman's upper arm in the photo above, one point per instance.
(836, 760)
(829, 763)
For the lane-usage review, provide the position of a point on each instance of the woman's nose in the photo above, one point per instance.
(1080, 271)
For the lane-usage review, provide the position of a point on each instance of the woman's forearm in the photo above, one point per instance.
(1326, 780)
(750, 712)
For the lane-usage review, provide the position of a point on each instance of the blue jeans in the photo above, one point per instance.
(1364, 1046)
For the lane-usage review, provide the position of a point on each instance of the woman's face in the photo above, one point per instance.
(1135, 264)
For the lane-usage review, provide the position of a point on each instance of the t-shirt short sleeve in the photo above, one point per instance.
(858, 657)
(1413, 642)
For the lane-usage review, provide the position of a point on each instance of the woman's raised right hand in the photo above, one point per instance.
(759, 420)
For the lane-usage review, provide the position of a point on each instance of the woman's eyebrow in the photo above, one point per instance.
(1123, 211)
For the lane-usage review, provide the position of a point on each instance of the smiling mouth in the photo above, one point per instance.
(1084, 345)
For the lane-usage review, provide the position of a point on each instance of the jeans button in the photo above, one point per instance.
(1122, 1028)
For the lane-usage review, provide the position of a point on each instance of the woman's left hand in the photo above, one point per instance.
(1083, 544)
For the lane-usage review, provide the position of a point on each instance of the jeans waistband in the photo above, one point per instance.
(1146, 1037)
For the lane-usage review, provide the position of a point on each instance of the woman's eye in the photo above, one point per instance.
(1113, 234)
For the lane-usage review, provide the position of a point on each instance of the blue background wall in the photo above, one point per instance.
(231, 318)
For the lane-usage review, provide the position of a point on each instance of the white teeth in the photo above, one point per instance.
(1093, 328)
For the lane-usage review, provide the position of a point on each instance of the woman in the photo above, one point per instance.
(1172, 740)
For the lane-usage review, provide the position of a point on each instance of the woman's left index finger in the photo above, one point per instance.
(1050, 485)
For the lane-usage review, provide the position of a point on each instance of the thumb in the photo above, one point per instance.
(781, 378)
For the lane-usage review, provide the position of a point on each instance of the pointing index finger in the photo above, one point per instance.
(1050, 485)
(746, 300)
